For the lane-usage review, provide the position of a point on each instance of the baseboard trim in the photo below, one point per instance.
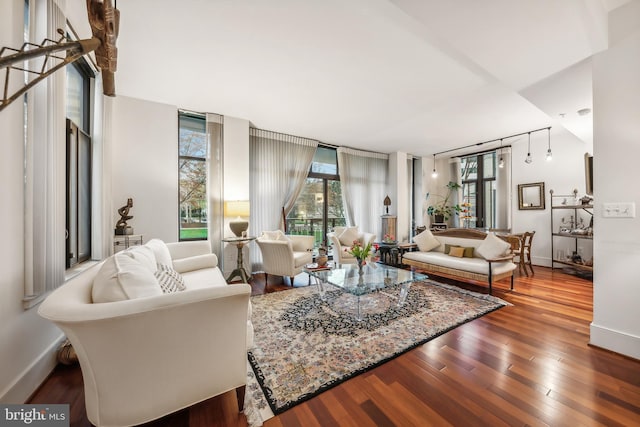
(32, 377)
(616, 341)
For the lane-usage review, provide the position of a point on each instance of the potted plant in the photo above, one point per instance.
(442, 210)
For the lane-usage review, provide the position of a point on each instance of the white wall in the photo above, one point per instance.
(236, 185)
(27, 342)
(563, 174)
(616, 318)
(145, 166)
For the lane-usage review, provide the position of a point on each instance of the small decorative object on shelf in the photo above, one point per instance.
(465, 214)
(122, 228)
(574, 234)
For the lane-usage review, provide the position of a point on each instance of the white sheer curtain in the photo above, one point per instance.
(503, 191)
(279, 165)
(215, 184)
(363, 178)
(101, 203)
(45, 167)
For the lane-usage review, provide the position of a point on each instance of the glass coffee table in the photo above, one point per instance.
(376, 278)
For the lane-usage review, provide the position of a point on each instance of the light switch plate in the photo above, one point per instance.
(619, 210)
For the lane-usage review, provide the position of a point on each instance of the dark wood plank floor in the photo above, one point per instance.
(524, 365)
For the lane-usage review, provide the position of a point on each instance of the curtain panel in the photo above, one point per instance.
(215, 186)
(279, 165)
(363, 177)
(45, 170)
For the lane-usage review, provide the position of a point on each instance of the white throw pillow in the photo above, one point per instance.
(122, 277)
(144, 255)
(275, 235)
(160, 251)
(426, 241)
(337, 230)
(493, 247)
(348, 236)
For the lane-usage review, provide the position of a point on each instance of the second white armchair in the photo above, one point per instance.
(342, 239)
(284, 255)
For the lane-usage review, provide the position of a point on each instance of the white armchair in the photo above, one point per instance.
(285, 255)
(342, 239)
(147, 357)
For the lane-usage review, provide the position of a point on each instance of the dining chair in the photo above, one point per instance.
(524, 254)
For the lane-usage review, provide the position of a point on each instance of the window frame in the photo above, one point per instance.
(480, 181)
(205, 160)
(77, 133)
(325, 177)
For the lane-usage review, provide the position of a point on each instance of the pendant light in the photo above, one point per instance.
(529, 159)
(434, 174)
(501, 161)
(549, 155)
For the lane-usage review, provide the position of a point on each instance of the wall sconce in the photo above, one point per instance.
(239, 209)
(501, 161)
(529, 159)
(549, 155)
(387, 203)
(434, 174)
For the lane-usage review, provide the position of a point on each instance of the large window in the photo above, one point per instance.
(78, 163)
(192, 164)
(479, 188)
(319, 206)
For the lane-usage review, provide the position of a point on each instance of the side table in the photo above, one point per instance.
(239, 270)
(388, 252)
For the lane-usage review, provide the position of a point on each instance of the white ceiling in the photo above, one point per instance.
(419, 76)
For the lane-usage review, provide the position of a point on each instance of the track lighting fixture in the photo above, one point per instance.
(501, 160)
(434, 174)
(549, 155)
(529, 159)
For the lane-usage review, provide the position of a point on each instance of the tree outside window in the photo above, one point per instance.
(192, 168)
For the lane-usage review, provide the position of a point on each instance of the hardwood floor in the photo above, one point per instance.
(524, 365)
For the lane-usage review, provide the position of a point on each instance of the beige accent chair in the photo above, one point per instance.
(285, 255)
(146, 357)
(342, 239)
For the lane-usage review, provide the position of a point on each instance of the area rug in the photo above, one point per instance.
(307, 341)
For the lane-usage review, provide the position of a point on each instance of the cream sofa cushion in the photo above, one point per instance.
(493, 247)
(144, 255)
(426, 241)
(196, 262)
(160, 251)
(122, 277)
(348, 236)
(275, 235)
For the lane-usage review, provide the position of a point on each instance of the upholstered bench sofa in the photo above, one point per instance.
(463, 254)
(156, 329)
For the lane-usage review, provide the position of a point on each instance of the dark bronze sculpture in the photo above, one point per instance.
(105, 23)
(121, 226)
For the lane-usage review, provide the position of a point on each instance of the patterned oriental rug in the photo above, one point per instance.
(306, 343)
